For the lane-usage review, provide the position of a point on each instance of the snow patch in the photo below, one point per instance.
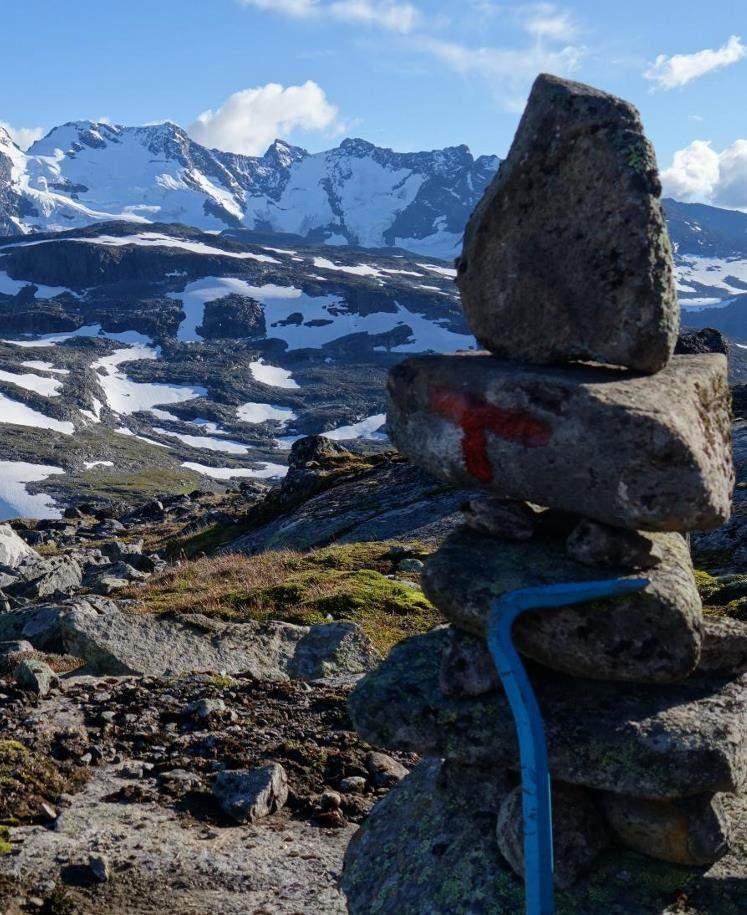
(266, 471)
(15, 500)
(367, 428)
(272, 375)
(48, 387)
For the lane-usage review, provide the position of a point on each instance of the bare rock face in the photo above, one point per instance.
(650, 636)
(467, 668)
(597, 544)
(635, 451)
(724, 651)
(567, 255)
(579, 832)
(690, 831)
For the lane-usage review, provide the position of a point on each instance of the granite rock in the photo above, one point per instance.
(690, 831)
(654, 742)
(650, 636)
(635, 451)
(567, 255)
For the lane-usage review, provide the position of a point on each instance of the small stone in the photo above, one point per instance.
(693, 831)
(330, 800)
(500, 517)
(579, 832)
(99, 868)
(353, 784)
(384, 770)
(248, 795)
(206, 708)
(467, 668)
(47, 812)
(643, 452)
(596, 544)
(724, 651)
(35, 676)
(410, 565)
(566, 256)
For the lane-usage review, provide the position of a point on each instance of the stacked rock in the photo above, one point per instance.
(596, 449)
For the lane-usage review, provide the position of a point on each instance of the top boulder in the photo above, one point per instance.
(567, 256)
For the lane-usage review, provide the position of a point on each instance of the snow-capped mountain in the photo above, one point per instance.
(358, 193)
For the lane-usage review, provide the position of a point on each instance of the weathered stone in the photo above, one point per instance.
(690, 831)
(567, 256)
(579, 832)
(428, 849)
(662, 742)
(36, 676)
(14, 551)
(650, 636)
(641, 452)
(597, 544)
(248, 795)
(383, 770)
(502, 518)
(724, 650)
(48, 577)
(466, 667)
(11, 653)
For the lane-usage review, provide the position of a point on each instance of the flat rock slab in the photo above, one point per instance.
(635, 451)
(655, 742)
(427, 847)
(567, 255)
(652, 636)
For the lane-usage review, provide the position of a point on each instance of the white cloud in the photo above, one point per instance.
(699, 172)
(680, 69)
(510, 71)
(248, 121)
(23, 136)
(387, 14)
(545, 20)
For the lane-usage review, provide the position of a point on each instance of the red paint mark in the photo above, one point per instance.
(475, 417)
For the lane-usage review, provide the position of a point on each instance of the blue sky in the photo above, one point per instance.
(410, 74)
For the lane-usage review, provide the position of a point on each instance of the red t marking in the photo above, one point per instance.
(475, 417)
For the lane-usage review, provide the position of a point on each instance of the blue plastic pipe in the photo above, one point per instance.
(535, 771)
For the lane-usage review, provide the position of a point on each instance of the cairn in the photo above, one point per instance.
(595, 449)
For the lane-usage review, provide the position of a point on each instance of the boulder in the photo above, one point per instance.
(635, 451)
(566, 256)
(248, 795)
(693, 831)
(650, 636)
(430, 848)
(724, 651)
(111, 641)
(35, 676)
(384, 771)
(655, 742)
(12, 652)
(14, 551)
(503, 518)
(579, 832)
(47, 577)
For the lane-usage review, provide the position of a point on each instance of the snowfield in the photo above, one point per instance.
(15, 500)
(262, 412)
(266, 471)
(367, 428)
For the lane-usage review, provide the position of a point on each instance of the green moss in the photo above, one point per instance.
(5, 847)
(26, 779)
(638, 158)
(706, 583)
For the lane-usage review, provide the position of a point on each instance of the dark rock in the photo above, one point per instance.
(579, 832)
(232, 316)
(248, 795)
(706, 340)
(657, 742)
(500, 518)
(597, 544)
(636, 451)
(649, 636)
(693, 831)
(567, 256)
(467, 668)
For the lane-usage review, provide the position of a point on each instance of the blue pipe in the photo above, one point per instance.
(535, 771)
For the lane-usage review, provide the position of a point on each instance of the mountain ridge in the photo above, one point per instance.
(356, 193)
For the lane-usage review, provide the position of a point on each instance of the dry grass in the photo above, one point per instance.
(355, 582)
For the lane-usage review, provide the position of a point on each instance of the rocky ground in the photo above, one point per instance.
(148, 650)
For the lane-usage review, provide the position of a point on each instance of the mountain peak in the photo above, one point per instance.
(284, 154)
